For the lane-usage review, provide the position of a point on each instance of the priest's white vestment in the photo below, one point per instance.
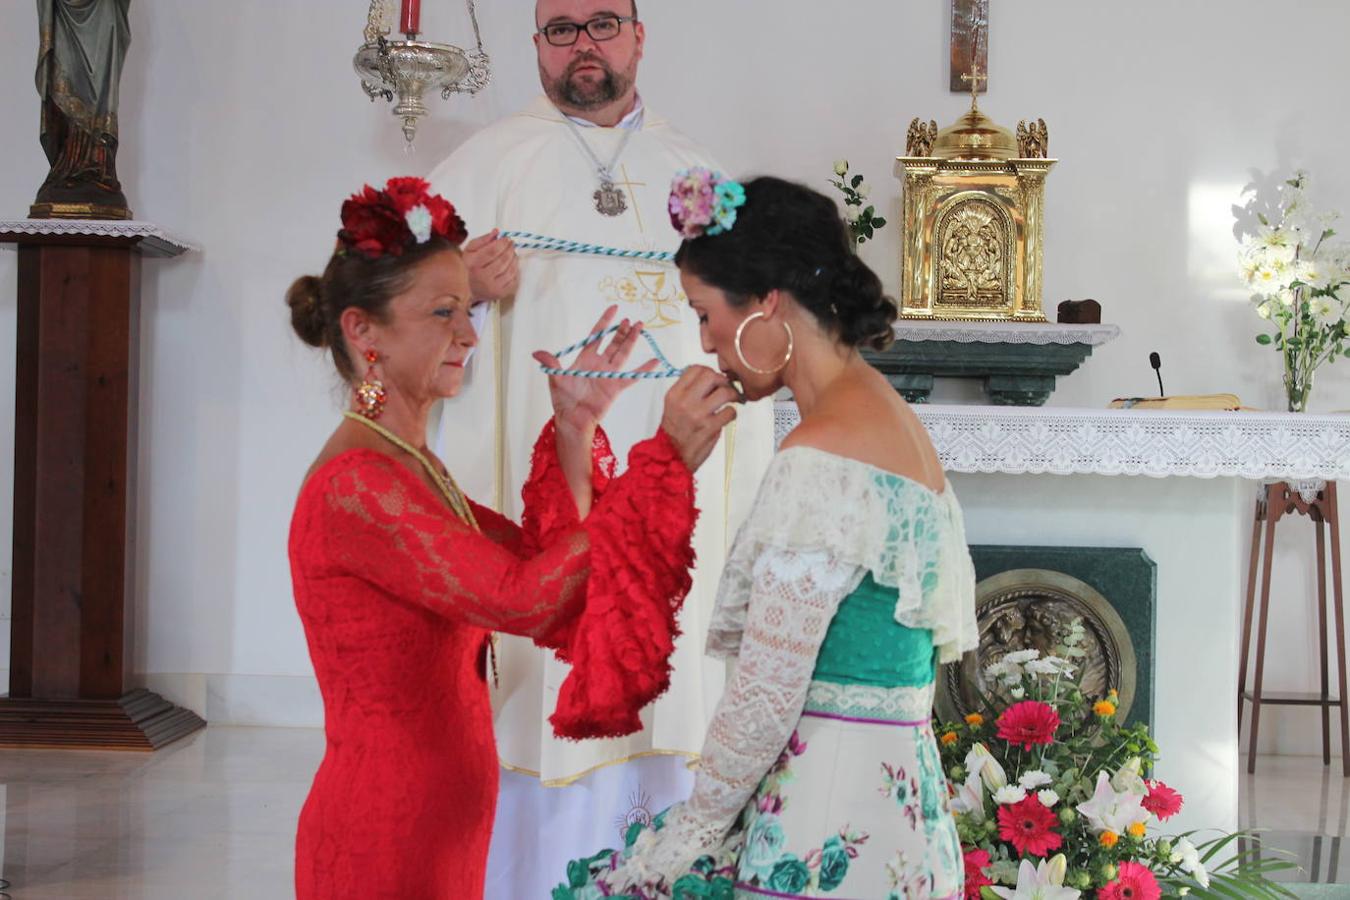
(528, 172)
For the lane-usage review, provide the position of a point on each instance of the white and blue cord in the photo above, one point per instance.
(668, 371)
(528, 241)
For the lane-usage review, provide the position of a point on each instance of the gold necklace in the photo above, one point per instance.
(459, 503)
(453, 495)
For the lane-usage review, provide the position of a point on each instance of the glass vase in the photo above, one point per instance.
(1298, 385)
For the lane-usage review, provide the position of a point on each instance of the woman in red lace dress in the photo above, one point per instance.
(400, 579)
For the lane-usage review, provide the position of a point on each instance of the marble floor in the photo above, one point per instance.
(213, 817)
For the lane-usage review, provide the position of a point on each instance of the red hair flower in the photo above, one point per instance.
(404, 214)
(1029, 827)
(1162, 801)
(1028, 723)
(1135, 882)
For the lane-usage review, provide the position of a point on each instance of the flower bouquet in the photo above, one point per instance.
(1053, 798)
(1299, 280)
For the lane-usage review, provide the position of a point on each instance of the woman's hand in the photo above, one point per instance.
(494, 269)
(698, 407)
(580, 403)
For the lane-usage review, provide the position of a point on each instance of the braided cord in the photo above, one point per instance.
(528, 241)
(668, 371)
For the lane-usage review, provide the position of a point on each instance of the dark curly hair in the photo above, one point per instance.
(789, 237)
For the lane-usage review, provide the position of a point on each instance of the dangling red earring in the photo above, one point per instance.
(370, 395)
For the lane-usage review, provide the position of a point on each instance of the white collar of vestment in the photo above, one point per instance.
(634, 121)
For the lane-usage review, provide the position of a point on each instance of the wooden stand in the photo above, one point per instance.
(1275, 502)
(74, 501)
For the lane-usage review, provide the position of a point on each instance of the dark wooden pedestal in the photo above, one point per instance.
(1275, 502)
(74, 502)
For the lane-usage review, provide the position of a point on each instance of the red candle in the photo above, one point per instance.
(408, 19)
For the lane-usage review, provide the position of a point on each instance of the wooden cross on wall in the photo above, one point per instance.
(970, 44)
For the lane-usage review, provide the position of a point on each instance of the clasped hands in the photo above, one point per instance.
(697, 407)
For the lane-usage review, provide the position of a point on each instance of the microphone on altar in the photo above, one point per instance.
(1155, 361)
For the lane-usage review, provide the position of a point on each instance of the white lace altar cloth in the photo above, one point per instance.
(154, 240)
(1159, 443)
(1005, 332)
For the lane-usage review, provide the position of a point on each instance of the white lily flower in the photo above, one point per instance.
(1129, 780)
(1039, 882)
(979, 759)
(969, 798)
(1109, 810)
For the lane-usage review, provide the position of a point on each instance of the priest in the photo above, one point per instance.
(586, 162)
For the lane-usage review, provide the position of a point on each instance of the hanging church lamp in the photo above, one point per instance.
(400, 71)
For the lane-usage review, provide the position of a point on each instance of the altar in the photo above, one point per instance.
(1180, 485)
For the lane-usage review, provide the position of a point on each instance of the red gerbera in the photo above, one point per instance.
(976, 861)
(445, 221)
(1162, 801)
(1029, 826)
(1027, 723)
(1135, 882)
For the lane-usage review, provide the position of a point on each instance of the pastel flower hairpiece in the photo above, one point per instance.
(404, 214)
(703, 201)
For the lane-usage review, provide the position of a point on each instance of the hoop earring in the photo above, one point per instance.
(740, 354)
(370, 395)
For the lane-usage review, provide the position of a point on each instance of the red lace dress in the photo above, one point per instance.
(397, 597)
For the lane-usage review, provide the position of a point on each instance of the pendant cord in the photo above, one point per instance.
(459, 503)
(606, 172)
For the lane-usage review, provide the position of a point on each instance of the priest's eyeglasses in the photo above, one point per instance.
(601, 28)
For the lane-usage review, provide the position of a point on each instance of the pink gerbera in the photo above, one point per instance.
(1162, 801)
(1135, 882)
(1028, 723)
(1029, 826)
(976, 862)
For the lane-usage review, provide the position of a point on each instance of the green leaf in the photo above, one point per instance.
(1264, 339)
(879, 222)
(857, 180)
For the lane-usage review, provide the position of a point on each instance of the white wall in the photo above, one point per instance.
(244, 128)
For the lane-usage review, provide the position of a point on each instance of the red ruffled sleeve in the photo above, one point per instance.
(641, 534)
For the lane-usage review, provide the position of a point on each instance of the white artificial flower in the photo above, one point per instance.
(1264, 310)
(1009, 794)
(419, 223)
(852, 214)
(1112, 811)
(1128, 778)
(864, 190)
(1321, 306)
(1021, 657)
(841, 167)
(1185, 855)
(1286, 297)
(1034, 779)
(995, 670)
(1018, 693)
(1271, 278)
(1048, 798)
(1050, 665)
(1042, 882)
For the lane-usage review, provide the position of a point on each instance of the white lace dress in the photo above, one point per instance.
(820, 775)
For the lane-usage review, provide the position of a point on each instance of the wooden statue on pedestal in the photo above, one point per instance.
(83, 45)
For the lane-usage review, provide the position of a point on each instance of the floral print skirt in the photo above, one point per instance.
(855, 807)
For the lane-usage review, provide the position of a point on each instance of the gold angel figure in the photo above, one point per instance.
(919, 140)
(1033, 141)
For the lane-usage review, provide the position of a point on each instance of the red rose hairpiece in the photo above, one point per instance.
(404, 214)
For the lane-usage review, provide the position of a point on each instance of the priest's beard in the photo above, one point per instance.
(590, 94)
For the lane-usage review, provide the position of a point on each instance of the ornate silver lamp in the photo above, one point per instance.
(400, 71)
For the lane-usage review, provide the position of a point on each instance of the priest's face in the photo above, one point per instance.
(590, 75)
(425, 340)
(764, 342)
